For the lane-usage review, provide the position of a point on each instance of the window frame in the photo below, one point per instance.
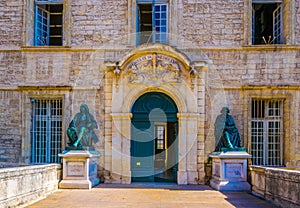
(37, 92)
(172, 27)
(41, 130)
(29, 23)
(288, 22)
(263, 137)
(276, 22)
(38, 7)
(154, 36)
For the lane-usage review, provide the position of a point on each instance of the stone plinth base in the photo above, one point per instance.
(229, 171)
(79, 169)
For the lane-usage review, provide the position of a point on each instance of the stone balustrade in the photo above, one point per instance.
(278, 185)
(24, 185)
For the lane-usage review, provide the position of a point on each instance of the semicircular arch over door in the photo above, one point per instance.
(154, 145)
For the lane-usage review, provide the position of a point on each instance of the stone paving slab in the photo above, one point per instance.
(150, 195)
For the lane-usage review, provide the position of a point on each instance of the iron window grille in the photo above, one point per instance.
(46, 130)
(267, 132)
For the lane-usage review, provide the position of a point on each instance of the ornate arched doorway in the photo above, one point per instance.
(147, 76)
(154, 144)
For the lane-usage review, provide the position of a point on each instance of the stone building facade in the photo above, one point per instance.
(201, 55)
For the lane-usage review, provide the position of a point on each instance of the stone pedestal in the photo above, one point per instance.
(229, 171)
(79, 169)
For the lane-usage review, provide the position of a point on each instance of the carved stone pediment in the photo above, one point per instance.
(154, 69)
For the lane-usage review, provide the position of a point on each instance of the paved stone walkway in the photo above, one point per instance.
(146, 195)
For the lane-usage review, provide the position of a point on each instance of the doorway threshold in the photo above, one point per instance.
(155, 185)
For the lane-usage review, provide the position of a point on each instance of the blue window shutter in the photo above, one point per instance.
(41, 24)
(36, 26)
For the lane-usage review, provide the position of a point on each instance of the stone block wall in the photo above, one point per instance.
(212, 23)
(28, 184)
(10, 119)
(215, 30)
(255, 66)
(11, 67)
(97, 22)
(231, 76)
(94, 23)
(297, 19)
(11, 22)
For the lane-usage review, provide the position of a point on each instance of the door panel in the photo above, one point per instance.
(170, 155)
(142, 152)
(154, 159)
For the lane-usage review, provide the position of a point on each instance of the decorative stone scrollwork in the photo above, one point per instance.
(154, 69)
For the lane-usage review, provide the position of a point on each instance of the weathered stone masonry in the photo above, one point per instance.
(96, 32)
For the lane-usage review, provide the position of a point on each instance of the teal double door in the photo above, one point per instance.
(154, 145)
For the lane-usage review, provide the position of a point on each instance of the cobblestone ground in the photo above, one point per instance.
(150, 195)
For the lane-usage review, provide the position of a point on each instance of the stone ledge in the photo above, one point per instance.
(75, 184)
(230, 154)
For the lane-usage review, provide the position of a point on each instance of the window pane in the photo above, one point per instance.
(258, 108)
(157, 8)
(274, 108)
(257, 142)
(160, 136)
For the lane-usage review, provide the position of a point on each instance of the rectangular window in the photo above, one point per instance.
(46, 130)
(48, 23)
(160, 136)
(266, 132)
(267, 22)
(152, 22)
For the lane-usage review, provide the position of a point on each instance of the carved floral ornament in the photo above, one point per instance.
(153, 69)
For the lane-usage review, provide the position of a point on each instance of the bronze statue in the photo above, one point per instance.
(80, 131)
(226, 134)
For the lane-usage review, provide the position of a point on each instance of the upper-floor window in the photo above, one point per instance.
(267, 22)
(152, 21)
(48, 23)
(267, 132)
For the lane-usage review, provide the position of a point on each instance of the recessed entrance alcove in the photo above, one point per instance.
(154, 98)
(154, 143)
